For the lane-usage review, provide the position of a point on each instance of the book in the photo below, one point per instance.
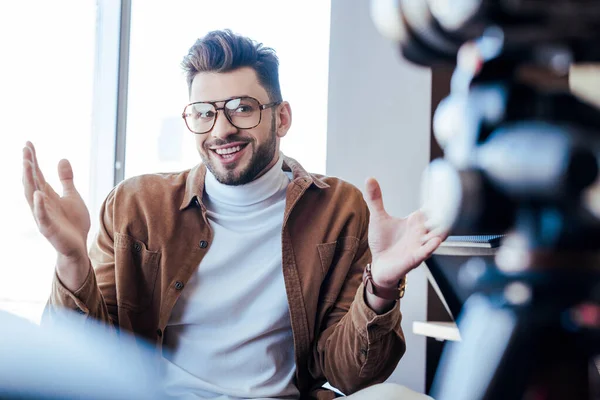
(483, 241)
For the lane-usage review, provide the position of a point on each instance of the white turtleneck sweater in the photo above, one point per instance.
(230, 331)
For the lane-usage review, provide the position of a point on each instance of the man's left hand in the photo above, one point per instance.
(398, 245)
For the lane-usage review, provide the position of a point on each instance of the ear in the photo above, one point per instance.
(284, 119)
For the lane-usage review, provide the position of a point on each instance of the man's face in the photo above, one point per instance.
(237, 156)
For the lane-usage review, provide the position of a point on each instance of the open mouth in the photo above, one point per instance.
(230, 154)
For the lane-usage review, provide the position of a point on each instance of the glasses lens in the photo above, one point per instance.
(200, 117)
(243, 113)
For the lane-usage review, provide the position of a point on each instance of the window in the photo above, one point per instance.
(46, 97)
(162, 33)
(58, 67)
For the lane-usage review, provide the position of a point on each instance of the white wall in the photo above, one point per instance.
(378, 125)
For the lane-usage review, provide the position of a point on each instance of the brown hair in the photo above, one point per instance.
(224, 51)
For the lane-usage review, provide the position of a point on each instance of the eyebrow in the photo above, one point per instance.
(222, 101)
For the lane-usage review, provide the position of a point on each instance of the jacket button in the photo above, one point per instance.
(203, 244)
(178, 285)
(159, 332)
(137, 247)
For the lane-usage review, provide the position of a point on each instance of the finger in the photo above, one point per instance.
(430, 224)
(37, 172)
(65, 174)
(437, 232)
(28, 182)
(374, 198)
(417, 221)
(38, 176)
(29, 163)
(427, 249)
(420, 216)
(444, 234)
(433, 222)
(27, 153)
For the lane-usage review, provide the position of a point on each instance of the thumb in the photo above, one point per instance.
(374, 198)
(65, 174)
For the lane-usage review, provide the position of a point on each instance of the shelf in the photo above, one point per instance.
(465, 251)
(437, 330)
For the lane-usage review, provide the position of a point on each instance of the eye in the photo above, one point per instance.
(206, 114)
(199, 111)
(243, 108)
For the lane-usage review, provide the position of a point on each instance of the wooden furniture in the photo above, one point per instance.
(437, 330)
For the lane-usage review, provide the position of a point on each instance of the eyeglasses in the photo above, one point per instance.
(241, 112)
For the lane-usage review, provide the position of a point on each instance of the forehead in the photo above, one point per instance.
(214, 86)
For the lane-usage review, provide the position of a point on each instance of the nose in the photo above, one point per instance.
(222, 127)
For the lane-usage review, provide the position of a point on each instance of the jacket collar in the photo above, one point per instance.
(194, 185)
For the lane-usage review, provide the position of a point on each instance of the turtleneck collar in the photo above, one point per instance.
(257, 191)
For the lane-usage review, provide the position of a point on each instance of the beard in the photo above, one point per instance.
(239, 175)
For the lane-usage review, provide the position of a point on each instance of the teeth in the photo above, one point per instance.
(229, 150)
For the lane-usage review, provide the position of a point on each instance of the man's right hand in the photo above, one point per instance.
(64, 221)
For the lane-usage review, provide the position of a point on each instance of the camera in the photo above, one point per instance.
(521, 158)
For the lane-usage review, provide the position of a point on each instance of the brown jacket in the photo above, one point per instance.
(154, 233)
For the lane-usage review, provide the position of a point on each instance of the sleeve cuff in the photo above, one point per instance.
(368, 323)
(77, 300)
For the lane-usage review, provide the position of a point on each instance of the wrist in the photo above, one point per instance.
(385, 280)
(386, 283)
(74, 258)
(388, 293)
(73, 270)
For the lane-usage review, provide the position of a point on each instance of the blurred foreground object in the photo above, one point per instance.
(584, 81)
(70, 359)
(521, 158)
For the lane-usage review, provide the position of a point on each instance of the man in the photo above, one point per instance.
(245, 271)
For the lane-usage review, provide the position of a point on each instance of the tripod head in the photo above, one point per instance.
(431, 32)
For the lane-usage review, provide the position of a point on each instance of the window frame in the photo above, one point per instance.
(109, 117)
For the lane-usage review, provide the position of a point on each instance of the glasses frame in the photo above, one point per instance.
(261, 107)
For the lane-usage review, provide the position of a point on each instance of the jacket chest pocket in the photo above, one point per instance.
(136, 271)
(340, 252)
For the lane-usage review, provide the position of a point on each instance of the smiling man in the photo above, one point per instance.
(246, 144)
(254, 278)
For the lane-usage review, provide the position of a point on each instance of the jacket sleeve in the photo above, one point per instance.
(96, 298)
(358, 348)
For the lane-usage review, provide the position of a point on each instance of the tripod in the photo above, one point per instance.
(522, 339)
(525, 157)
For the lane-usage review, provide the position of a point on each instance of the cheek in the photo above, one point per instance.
(262, 133)
(200, 139)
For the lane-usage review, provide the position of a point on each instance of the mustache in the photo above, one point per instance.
(224, 142)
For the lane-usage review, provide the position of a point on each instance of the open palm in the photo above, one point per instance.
(63, 220)
(398, 245)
